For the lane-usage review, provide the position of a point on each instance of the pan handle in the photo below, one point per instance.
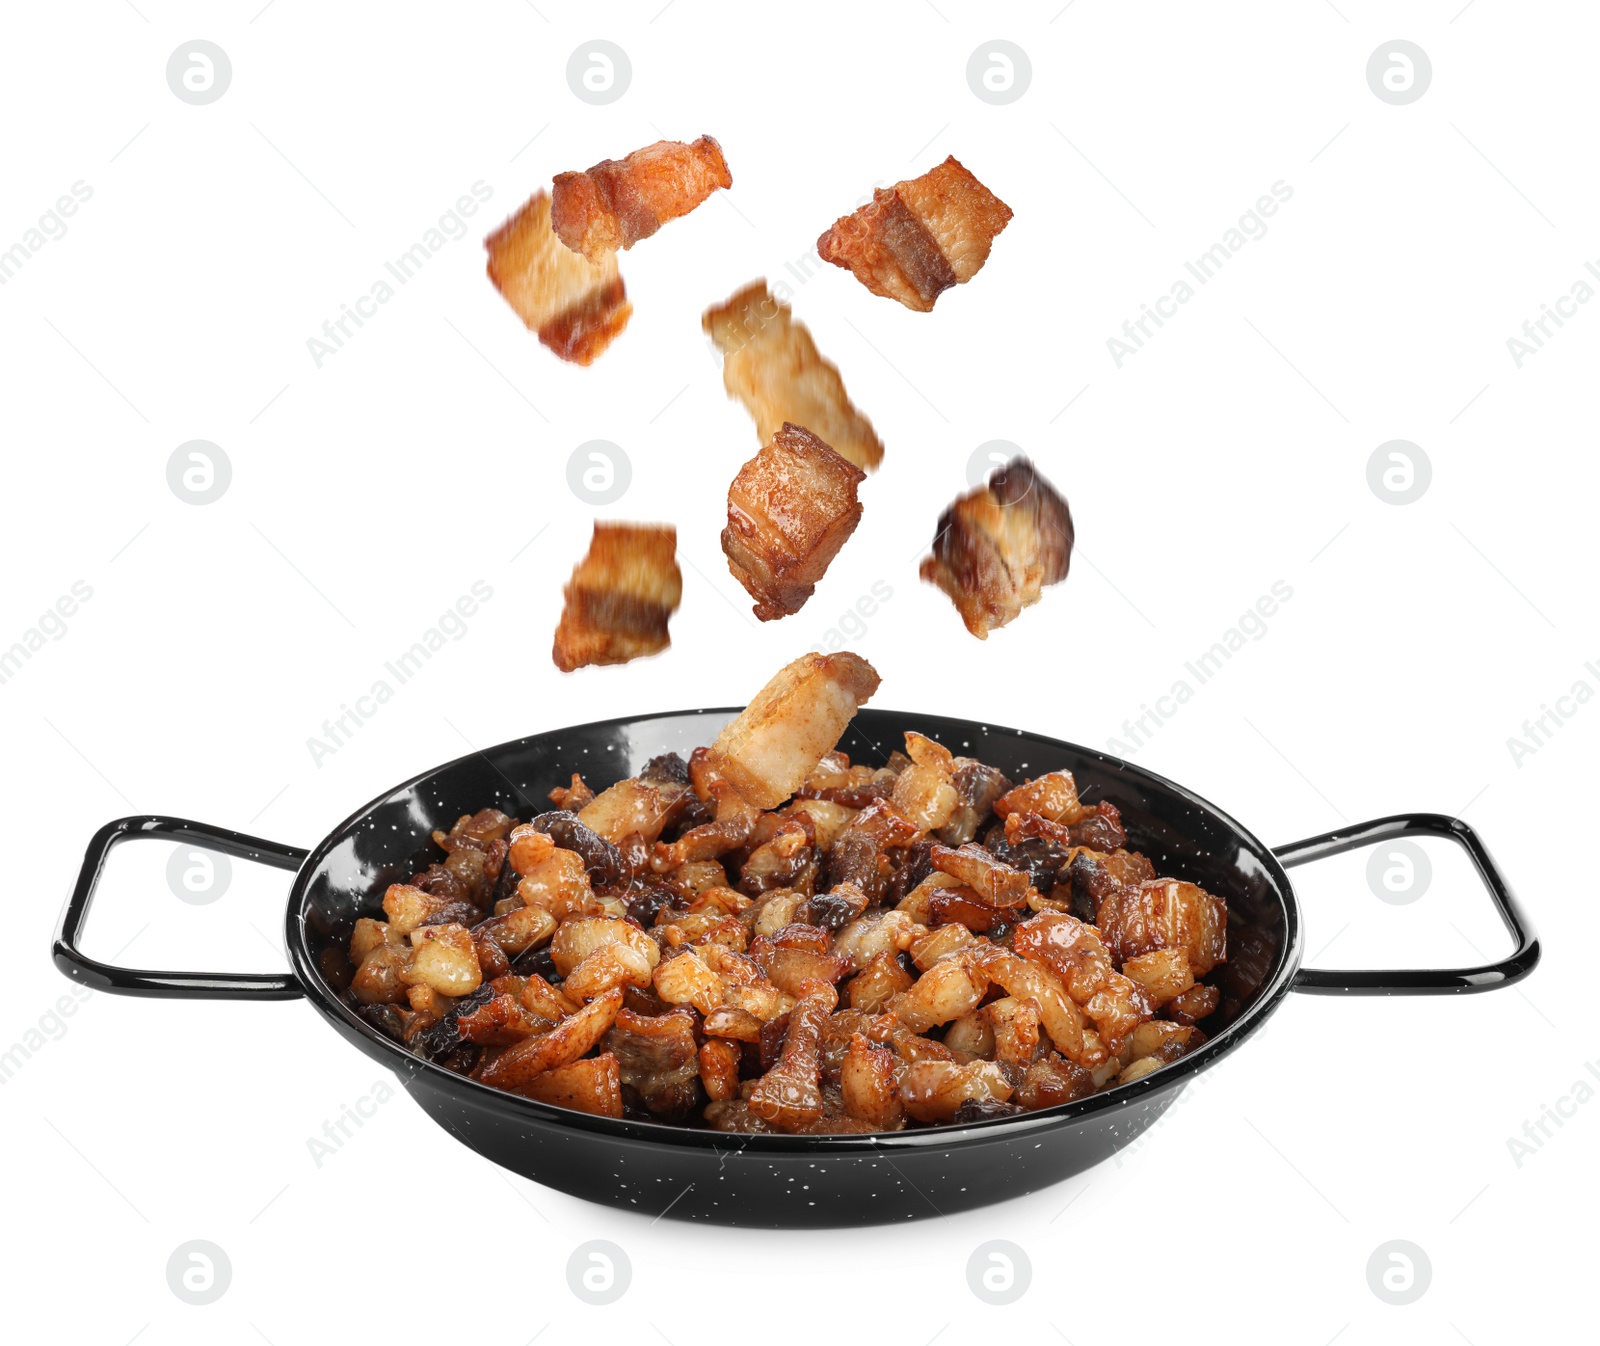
(1419, 981)
(190, 985)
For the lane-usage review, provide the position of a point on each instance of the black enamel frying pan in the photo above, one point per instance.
(787, 1181)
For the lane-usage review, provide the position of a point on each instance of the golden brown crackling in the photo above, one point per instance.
(620, 596)
(790, 509)
(767, 750)
(771, 364)
(576, 307)
(999, 545)
(620, 201)
(1166, 914)
(915, 240)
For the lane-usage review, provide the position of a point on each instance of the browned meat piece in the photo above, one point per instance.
(1053, 796)
(620, 201)
(737, 1024)
(789, 1094)
(635, 807)
(1094, 877)
(1070, 949)
(771, 364)
(868, 1080)
(577, 308)
(1099, 828)
(1166, 914)
(878, 983)
(499, 1022)
(933, 1091)
(1162, 974)
(923, 788)
(948, 989)
(475, 831)
(620, 596)
(590, 1085)
(997, 884)
(1053, 1080)
(858, 855)
(571, 798)
(790, 509)
(799, 961)
(1195, 1004)
(965, 907)
(786, 859)
(1017, 1038)
(998, 546)
(916, 239)
(1084, 965)
(769, 749)
(658, 1060)
(518, 1066)
(734, 1115)
(977, 788)
(836, 909)
(719, 1069)
(1157, 1044)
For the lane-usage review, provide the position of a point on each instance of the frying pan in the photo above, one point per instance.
(787, 1181)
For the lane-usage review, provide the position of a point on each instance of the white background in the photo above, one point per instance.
(368, 494)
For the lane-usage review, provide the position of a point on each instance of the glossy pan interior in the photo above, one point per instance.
(784, 1181)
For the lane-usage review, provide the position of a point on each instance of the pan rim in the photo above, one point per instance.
(409, 1068)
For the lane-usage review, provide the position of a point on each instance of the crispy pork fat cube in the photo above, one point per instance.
(620, 596)
(998, 546)
(636, 806)
(590, 1085)
(1166, 914)
(769, 749)
(1162, 974)
(788, 1095)
(916, 239)
(1053, 796)
(771, 364)
(620, 201)
(576, 307)
(519, 1065)
(790, 509)
(867, 1083)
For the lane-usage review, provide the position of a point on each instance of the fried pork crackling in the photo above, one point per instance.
(997, 547)
(915, 240)
(790, 509)
(576, 307)
(771, 364)
(620, 201)
(620, 596)
(769, 937)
